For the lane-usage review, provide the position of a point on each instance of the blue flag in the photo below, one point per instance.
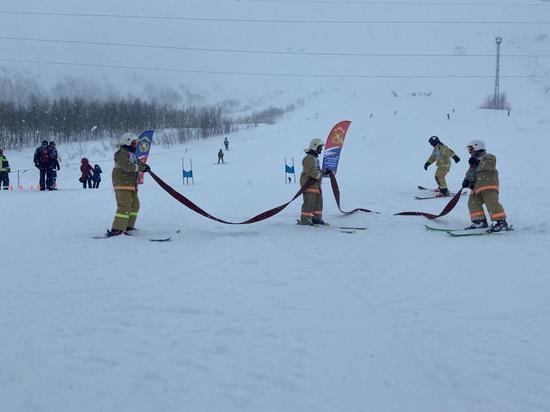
(187, 173)
(289, 169)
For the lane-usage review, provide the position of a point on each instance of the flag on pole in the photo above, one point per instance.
(334, 144)
(142, 150)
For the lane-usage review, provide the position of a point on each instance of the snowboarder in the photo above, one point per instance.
(4, 171)
(96, 176)
(86, 169)
(312, 208)
(55, 163)
(226, 143)
(220, 156)
(441, 155)
(43, 162)
(125, 175)
(482, 178)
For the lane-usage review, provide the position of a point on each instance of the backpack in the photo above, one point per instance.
(44, 156)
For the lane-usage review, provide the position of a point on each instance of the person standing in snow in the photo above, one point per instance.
(86, 169)
(226, 143)
(220, 156)
(312, 208)
(55, 163)
(96, 176)
(43, 162)
(125, 175)
(482, 178)
(4, 171)
(441, 155)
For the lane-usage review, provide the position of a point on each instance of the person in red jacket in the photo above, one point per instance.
(86, 169)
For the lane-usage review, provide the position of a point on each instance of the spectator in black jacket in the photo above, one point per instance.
(96, 176)
(43, 161)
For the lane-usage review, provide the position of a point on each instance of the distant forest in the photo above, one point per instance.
(29, 120)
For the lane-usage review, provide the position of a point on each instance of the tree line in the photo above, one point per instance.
(24, 124)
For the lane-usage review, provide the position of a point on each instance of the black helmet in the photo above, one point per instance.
(44, 142)
(434, 141)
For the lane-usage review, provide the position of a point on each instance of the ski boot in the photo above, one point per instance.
(129, 229)
(443, 193)
(318, 221)
(478, 224)
(305, 223)
(114, 232)
(499, 226)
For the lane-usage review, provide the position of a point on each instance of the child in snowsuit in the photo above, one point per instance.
(441, 155)
(96, 176)
(220, 156)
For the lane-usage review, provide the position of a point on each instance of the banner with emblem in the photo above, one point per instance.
(334, 144)
(142, 150)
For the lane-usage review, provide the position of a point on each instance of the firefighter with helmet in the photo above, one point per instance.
(312, 208)
(482, 178)
(441, 155)
(125, 175)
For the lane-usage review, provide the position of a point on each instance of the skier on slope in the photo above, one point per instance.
(4, 171)
(220, 156)
(312, 208)
(125, 175)
(226, 144)
(441, 155)
(482, 178)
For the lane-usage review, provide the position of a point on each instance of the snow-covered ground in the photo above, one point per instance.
(274, 316)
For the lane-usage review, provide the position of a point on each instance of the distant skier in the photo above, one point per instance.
(125, 175)
(4, 171)
(96, 176)
(312, 208)
(482, 178)
(86, 169)
(42, 160)
(441, 155)
(55, 163)
(220, 156)
(226, 143)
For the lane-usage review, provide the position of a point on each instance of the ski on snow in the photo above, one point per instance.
(469, 232)
(343, 229)
(152, 239)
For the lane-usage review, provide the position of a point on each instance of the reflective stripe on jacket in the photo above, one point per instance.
(125, 171)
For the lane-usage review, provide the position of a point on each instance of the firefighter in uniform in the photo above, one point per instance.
(441, 155)
(482, 178)
(4, 171)
(125, 174)
(312, 208)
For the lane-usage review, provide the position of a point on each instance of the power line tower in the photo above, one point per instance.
(496, 98)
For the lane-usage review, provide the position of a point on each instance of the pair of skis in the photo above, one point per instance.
(126, 234)
(436, 196)
(468, 232)
(343, 229)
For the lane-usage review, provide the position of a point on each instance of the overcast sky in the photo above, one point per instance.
(169, 34)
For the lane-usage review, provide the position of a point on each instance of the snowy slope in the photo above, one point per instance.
(273, 316)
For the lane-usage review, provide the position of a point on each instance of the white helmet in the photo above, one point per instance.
(477, 145)
(127, 138)
(315, 143)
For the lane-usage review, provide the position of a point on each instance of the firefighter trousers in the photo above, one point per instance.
(127, 208)
(490, 199)
(312, 206)
(440, 174)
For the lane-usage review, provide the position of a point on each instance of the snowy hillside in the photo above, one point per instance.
(279, 317)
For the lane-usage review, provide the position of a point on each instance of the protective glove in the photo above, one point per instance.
(324, 172)
(146, 168)
(473, 161)
(8, 170)
(37, 165)
(465, 183)
(426, 165)
(456, 158)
